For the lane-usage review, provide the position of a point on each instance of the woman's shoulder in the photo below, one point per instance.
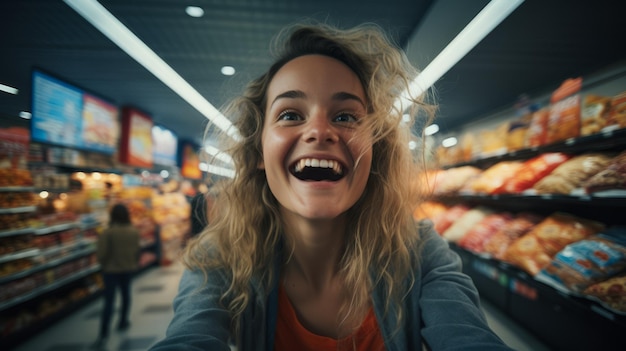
(425, 233)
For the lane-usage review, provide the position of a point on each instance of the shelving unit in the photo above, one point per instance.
(47, 270)
(563, 321)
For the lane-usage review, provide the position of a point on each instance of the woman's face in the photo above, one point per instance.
(317, 153)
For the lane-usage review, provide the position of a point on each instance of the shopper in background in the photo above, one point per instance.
(118, 253)
(315, 246)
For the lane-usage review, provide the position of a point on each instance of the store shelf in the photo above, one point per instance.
(26, 332)
(17, 231)
(19, 255)
(563, 321)
(49, 264)
(56, 228)
(609, 140)
(49, 287)
(16, 188)
(22, 209)
(606, 209)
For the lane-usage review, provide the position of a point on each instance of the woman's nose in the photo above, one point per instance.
(320, 129)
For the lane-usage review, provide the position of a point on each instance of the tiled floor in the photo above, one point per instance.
(153, 292)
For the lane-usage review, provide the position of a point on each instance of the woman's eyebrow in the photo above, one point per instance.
(342, 96)
(290, 94)
(299, 94)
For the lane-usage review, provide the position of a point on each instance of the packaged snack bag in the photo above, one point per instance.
(429, 210)
(469, 147)
(514, 229)
(532, 171)
(475, 239)
(469, 219)
(588, 261)
(595, 114)
(571, 174)
(535, 250)
(617, 116)
(517, 133)
(537, 132)
(612, 292)
(493, 141)
(564, 117)
(443, 222)
(611, 178)
(455, 179)
(494, 177)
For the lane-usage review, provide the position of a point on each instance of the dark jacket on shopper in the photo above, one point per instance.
(118, 249)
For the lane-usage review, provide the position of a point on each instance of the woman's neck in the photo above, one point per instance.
(317, 249)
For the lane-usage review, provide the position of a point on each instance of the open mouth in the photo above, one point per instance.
(312, 169)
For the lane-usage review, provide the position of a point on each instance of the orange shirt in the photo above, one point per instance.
(291, 335)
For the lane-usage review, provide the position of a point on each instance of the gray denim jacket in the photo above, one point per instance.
(441, 311)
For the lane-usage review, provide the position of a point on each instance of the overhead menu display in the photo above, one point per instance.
(100, 124)
(65, 115)
(165, 146)
(136, 142)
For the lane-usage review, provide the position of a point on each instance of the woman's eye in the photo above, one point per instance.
(346, 117)
(289, 116)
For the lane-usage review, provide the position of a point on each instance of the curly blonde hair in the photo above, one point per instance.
(382, 236)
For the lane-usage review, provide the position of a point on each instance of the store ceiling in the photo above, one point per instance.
(542, 43)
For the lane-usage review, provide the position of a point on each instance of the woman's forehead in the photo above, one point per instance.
(308, 72)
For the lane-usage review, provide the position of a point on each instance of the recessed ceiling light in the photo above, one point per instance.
(194, 11)
(25, 115)
(449, 142)
(228, 70)
(110, 26)
(431, 129)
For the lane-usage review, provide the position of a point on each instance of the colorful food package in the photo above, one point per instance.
(493, 142)
(617, 116)
(475, 238)
(595, 114)
(514, 229)
(494, 177)
(588, 261)
(518, 128)
(612, 177)
(429, 210)
(448, 155)
(468, 147)
(427, 182)
(516, 135)
(564, 117)
(571, 174)
(443, 222)
(612, 292)
(531, 172)
(462, 225)
(456, 178)
(537, 132)
(535, 250)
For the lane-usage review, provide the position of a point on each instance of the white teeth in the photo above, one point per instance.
(313, 162)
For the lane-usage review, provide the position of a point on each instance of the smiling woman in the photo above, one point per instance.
(314, 246)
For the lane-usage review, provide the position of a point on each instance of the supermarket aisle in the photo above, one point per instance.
(153, 292)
